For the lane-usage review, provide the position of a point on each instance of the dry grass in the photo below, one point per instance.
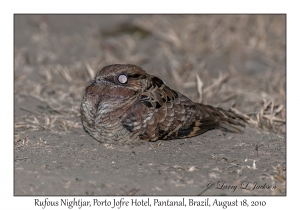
(233, 61)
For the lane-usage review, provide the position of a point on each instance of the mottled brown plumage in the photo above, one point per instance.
(124, 104)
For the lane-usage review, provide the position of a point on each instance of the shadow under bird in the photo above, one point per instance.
(125, 105)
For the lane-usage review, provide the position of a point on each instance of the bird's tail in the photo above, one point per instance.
(202, 118)
(228, 121)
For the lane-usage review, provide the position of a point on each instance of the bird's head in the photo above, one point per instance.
(119, 81)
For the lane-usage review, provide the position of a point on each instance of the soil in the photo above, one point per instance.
(55, 57)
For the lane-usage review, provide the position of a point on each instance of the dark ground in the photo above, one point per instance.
(240, 61)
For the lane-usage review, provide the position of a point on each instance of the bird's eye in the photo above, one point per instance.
(122, 79)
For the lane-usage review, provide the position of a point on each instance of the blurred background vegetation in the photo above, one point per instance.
(232, 61)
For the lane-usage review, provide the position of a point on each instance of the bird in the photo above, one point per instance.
(126, 105)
